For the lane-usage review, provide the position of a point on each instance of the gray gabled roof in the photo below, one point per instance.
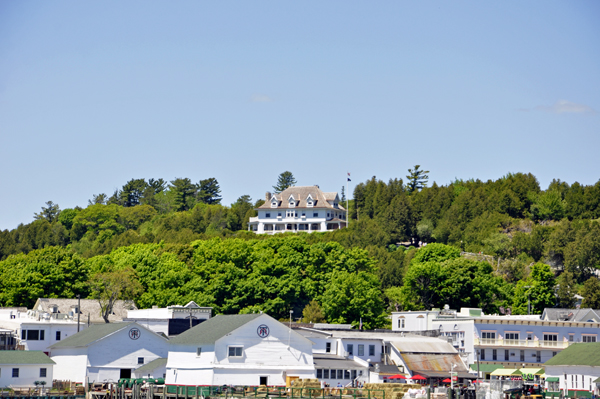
(89, 308)
(211, 330)
(156, 363)
(24, 357)
(300, 194)
(90, 335)
(576, 315)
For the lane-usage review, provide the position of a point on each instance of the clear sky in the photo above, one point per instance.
(95, 93)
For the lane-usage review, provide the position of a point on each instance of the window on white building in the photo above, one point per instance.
(315, 214)
(43, 372)
(511, 336)
(33, 335)
(235, 351)
(328, 347)
(550, 339)
(267, 215)
(140, 360)
(290, 214)
(371, 350)
(58, 335)
(361, 350)
(588, 338)
(325, 373)
(274, 204)
(319, 373)
(350, 349)
(15, 373)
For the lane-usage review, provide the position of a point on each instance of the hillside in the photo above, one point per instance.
(164, 232)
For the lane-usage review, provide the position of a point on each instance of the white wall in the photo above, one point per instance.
(118, 351)
(574, 380)
(28, 374)
(107, 357)
(281, 353)
(70, 364)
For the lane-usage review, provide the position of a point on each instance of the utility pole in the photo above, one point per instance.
(78, 310)
(528, 300)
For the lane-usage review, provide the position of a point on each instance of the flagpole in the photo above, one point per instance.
(347, 199)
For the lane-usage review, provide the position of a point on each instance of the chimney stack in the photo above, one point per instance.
(268, 196)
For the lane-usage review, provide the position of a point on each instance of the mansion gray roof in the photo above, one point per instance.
(300, 195)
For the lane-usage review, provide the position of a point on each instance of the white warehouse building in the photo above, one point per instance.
(246, 349)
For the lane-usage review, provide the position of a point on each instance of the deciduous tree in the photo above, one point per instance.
(110, 287)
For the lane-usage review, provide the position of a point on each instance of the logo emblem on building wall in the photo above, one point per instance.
(134, 333)
(263, 331)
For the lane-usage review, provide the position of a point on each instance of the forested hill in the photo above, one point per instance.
(533, 235)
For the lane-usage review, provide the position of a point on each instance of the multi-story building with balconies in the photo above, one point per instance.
(297, 209)
(508, 341)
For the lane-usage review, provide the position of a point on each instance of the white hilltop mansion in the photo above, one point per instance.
(304, 208)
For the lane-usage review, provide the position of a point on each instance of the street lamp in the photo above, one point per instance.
(452, 377)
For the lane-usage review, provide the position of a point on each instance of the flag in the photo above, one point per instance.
(349, 176)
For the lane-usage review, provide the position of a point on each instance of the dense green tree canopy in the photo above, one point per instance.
(486, 241)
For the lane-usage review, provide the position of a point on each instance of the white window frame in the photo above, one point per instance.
(273, 203)
(588, 338)
(235, 347)
(309, 201)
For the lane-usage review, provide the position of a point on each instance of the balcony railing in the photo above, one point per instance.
(521, 343)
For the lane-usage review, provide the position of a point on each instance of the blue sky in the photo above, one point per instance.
(93, 94)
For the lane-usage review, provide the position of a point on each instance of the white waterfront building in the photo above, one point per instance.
(21, 369)
(36, 331)
(106, 352)
(509, 341)
(295, 209)
(171, 320)
(246, 349)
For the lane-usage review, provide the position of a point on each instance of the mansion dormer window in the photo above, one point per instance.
(273, 203)
(292, 201)
(309, 201)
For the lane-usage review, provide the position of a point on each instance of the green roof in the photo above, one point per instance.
(24, 357)
(211, 330)
(156, 363)
(485, 368)
(581, 354)
(552, 379)
(91, 334)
